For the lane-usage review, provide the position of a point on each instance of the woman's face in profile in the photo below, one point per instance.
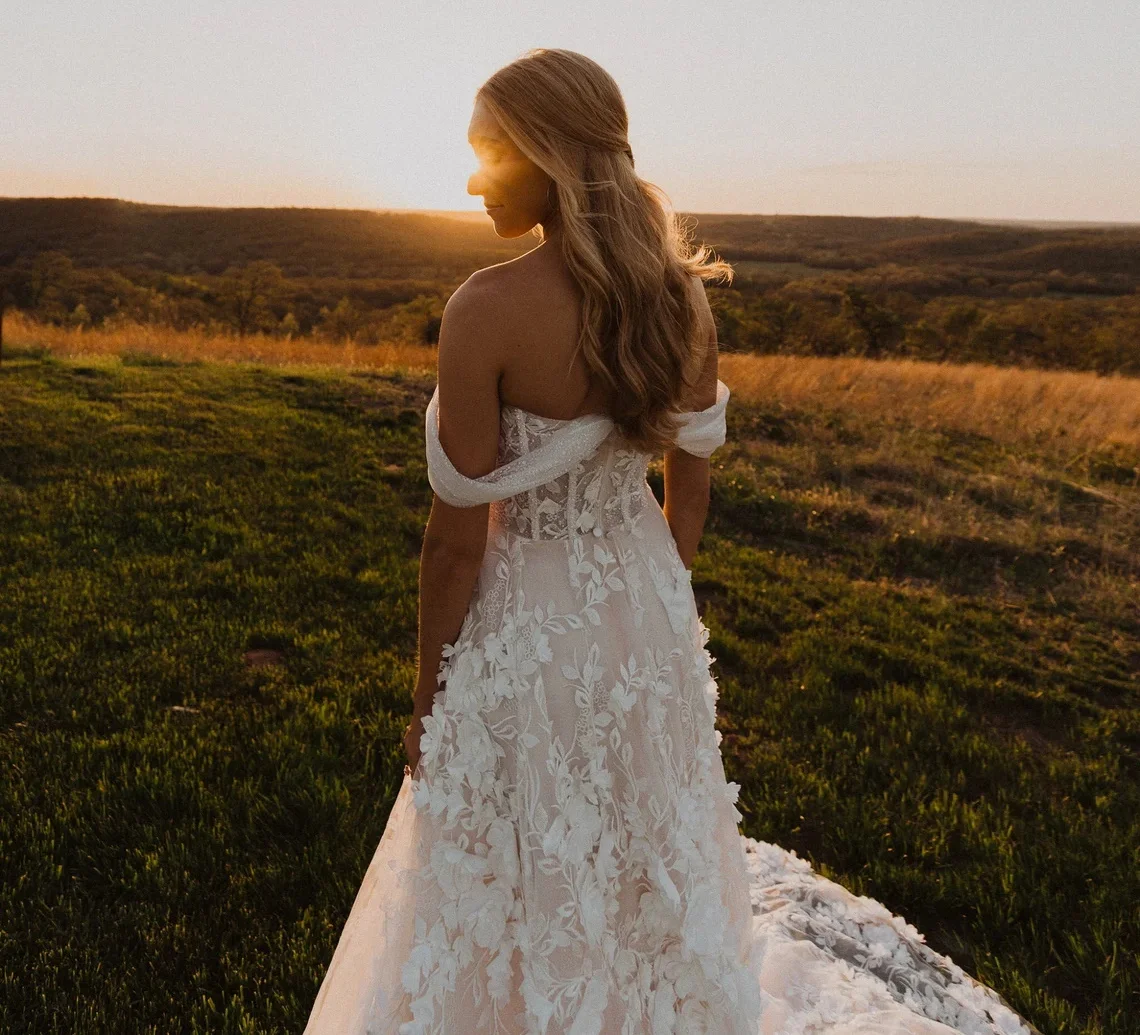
(515, 191)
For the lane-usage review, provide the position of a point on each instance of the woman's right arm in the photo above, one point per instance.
(686, 475)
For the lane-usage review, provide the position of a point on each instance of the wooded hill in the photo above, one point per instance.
(806, 285)
(357, 243)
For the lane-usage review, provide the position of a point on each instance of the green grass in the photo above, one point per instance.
(928, 648)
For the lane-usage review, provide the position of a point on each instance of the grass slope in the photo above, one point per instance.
(928, 646)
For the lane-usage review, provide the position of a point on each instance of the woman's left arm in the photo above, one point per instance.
(456, 537)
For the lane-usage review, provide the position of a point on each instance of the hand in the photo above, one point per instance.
(412, 743)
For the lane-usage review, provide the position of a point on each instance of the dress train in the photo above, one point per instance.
(566, 856)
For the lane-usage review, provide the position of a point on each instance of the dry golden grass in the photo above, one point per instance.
(1079, 410)
(187, 346)
(1006, 403)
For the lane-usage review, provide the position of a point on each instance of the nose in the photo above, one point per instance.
(475, 184)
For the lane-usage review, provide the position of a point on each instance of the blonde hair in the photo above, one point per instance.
(629, 253)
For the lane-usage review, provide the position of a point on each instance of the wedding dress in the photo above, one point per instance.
(565, 857)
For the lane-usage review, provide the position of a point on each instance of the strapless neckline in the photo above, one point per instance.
(550, 420)
(721, 399)
(562, 445)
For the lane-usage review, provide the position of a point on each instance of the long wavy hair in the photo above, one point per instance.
(630, 254)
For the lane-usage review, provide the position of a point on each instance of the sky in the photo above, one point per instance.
(1000, 109)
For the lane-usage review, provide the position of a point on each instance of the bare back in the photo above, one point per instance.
(540, 304)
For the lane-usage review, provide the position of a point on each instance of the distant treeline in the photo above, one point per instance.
(256, 297)
(875, 317)
(812, 285)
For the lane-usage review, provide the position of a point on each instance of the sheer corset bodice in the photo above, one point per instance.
(559, 478)
(601, 493)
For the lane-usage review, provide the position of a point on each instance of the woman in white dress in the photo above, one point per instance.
(563, 854)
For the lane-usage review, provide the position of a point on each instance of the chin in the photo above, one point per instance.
(509, 231)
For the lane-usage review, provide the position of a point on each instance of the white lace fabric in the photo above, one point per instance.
(555, 448)
(566, 857)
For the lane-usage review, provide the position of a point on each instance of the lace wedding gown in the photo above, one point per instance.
(565, 857)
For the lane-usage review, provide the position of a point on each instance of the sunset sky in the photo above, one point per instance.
(967, 109)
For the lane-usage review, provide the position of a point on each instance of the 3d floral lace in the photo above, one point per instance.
(565, 857)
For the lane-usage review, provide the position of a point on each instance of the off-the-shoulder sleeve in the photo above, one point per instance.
(559, 454)
(703, 431)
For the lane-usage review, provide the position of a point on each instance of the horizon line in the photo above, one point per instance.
(476, 212)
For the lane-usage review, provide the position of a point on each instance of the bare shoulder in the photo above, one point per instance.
(492, 293)
(467, 332)
(481, 291)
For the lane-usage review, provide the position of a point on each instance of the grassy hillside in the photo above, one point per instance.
(928, 644)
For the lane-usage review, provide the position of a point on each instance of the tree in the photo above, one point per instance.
(769, 323)
(343, 323)
(879, 325)
(79, 317)
(48, 275)
(247, 293)
(416, 321)
(13, 290)
(289, 325)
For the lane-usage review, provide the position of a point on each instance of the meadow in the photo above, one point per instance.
(922, 584)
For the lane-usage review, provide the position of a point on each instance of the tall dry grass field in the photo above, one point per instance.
(1070, 411)
(1006, 403)
(210, 347)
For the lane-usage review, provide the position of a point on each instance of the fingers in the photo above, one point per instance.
(411, 745)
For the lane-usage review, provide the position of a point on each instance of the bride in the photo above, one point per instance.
(563, 854)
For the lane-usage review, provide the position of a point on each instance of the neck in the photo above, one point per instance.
(552, 236)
